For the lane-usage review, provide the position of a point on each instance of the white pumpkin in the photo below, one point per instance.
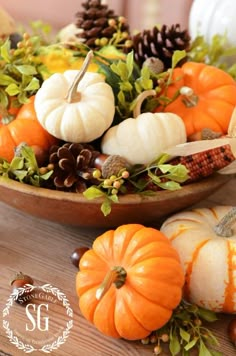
(207, 248)
(83, 115)
(213, 17)
(142, 139)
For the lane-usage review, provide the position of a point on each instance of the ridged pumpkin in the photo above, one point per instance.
(129, 282)
(207, 248)
(24, 128)
(75, 106)
(143, 138)
(207, 97)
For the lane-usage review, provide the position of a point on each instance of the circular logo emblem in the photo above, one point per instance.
(45, 321)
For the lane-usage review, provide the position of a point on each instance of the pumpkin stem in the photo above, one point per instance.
(224, 227)
(140, 99)
(116, 275)
(232, 124)
(189, 98)
(72, 95)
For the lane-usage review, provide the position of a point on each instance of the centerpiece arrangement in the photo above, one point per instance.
(105, 113)
(114, 119)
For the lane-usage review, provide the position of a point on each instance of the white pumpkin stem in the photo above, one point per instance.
(232, 124)
(73, 95)
(224, 227)
(140, 99)
(189, 98)
(116, 276)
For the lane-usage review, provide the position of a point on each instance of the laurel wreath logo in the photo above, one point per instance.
(47, 288)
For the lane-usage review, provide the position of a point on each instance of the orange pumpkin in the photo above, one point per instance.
(207, 97)
(129, 282)
(24, 128)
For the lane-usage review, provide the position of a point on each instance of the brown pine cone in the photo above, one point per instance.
(160, 43)
(72, 166)
(97, 22)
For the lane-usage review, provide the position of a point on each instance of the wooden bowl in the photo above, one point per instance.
(75, 209)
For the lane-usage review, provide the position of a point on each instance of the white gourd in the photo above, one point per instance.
(218, 17)
(205, 239)
(75, 106)
(142, 139)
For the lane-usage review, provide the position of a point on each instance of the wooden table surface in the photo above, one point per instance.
(42, 250)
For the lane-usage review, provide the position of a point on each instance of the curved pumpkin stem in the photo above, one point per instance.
(72, 95)
(189, 98)
(140, 99)
(232, 124)
(116, 275)
(224, 227)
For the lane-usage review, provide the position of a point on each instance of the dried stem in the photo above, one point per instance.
(224, 227)
(116, 275)
(73, 95)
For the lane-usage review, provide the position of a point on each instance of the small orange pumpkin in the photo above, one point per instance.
(24, 128)
(207, 97)
(129, 282)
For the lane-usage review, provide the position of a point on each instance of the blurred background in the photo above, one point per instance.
(140, 14)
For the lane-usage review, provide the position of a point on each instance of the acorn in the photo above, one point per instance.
(20, 280)
(154, 64)
(77, 255)
(110, 164)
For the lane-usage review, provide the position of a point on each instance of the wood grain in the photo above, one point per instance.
(42, 249)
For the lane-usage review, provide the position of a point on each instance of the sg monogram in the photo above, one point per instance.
(37, 323)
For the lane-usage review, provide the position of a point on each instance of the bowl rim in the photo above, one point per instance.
(132, 198)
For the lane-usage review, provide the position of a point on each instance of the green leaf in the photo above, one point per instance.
(5, 51)
(17, 163)
(28, 154)
(6, 79)
(33, 85)
(114, 198)
(184, 335)
(126, 86)
(216, 353)
(177, 57)
(203, 350)
(20, 174)
(106, 207)
(121, 99)
(3, 99)
(191, 344)
(174, 345)
(46, 176)
(130, 63)
(26, 69)
(93, 193)
(12, 89)
(169, 185)
(207, 315)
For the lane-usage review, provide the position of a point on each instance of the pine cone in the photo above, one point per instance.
(97, 21)
(71, 163)
(160, 43)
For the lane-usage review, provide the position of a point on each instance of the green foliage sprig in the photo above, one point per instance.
(24, 168)
(127, 81)
(159, 173)
(20, 75)
(217, 52)
(186, 331)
